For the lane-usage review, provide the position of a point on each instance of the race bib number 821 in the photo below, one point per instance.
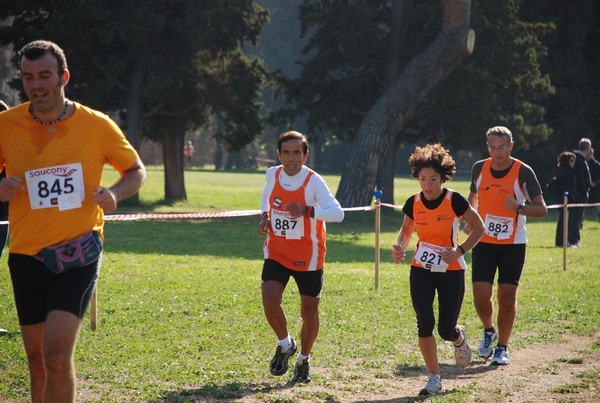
(430, 257)
(58, 186)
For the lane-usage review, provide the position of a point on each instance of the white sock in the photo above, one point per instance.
(302, 357)
(286, 343)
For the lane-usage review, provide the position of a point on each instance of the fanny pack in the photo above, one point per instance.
(72, 254)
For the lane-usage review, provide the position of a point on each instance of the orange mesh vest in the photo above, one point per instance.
(502, 226)
(439, 228)
(298, 244)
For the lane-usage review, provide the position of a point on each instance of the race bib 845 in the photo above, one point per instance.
(58, 186)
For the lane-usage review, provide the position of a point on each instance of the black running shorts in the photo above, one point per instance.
(508, 259)
(38, 291)
(309, 283)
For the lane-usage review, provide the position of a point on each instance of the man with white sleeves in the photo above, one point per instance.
(296, 204)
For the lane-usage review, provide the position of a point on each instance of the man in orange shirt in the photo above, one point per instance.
(3, 214)
(296, 203)
(54, 151)
(504, 191)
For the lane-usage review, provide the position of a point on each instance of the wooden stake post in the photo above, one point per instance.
(565, 228)
(94, 309)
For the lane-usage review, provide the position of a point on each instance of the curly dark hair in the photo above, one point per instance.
(433, 156)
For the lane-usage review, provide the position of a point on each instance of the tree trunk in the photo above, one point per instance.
(134, 117)
(385, 179)
(173, 158)
(398, 104)
(398, 44)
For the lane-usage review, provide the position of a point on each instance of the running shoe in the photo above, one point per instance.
(279, 363)
(302, 371)
(500, 356)
(462, 353)
(433, 386)
(485, 349)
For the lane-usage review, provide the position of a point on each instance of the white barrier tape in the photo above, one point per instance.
(392, 206)
(129, 217)
(244, 213)
(235, 213)
(363, 208)
(553, 206)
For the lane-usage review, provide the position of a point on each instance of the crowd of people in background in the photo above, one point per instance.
(578, 177)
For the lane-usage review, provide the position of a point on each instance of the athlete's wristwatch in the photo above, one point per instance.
(521, 208)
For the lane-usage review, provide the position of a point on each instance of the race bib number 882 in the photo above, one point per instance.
(58, 186)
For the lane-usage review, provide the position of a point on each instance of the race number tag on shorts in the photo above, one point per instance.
(284, 225)
(430, 257)
(59, 186)
(498, 227)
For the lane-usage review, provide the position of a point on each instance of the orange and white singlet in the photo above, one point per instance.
(298, 244)
(502, 226)
(437, 230)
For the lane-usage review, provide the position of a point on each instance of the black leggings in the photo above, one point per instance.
(450, 287)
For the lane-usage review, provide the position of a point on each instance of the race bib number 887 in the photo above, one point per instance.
(284, 225)
(58, 186)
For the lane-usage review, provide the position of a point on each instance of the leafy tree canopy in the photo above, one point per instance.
(501, 83)
(185, 54)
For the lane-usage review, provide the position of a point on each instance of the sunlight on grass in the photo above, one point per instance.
(180, 311)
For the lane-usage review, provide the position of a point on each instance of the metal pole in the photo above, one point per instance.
(377, 193)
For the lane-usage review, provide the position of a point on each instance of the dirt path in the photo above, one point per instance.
(533, 376)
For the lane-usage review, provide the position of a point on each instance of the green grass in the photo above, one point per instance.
(180, 314)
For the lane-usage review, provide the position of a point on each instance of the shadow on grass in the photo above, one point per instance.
(397, 400)
(226, 237)
(222, 392)
(448, 371)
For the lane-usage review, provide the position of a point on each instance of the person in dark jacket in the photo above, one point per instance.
(582, 174)
(566, 182)
(594, 166)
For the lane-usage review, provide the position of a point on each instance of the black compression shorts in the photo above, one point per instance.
(508, 259)
(39, 291)
(309, 283)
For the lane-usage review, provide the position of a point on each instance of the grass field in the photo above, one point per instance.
(180, 313)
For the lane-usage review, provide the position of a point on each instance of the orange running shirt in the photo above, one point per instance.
(298, 244)
(59, 165)
(437, 230)
(502, 226)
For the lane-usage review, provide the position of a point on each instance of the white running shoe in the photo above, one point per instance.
(433, 386)
(485, 349)
(500, 356)
(462, 353)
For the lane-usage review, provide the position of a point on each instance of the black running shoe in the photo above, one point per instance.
(302, 371)
(279, 363)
